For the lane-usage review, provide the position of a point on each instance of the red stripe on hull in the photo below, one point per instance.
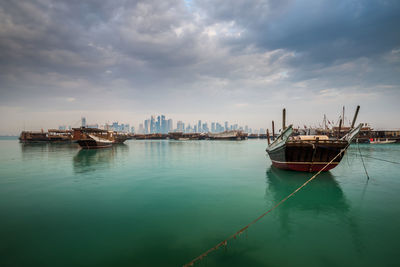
(303, 167)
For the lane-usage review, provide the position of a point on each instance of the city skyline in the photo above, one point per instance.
(240, 61)
(162, 124)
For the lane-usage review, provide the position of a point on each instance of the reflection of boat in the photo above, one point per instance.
(308, 152)
(324, 192)
(379, 141)
(322, 202)
(90, 160)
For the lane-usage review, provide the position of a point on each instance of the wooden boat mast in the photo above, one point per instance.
(355, 117)
(284, 119)
(273, 130)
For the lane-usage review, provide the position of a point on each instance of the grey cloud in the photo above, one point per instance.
(323, 30)
(214, 55)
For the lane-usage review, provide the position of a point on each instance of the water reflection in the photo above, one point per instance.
(322, 195)
(47, 147)
(322, 198)
(89, 160)
(35, 151)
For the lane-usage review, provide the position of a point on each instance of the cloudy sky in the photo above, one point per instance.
(241, 61)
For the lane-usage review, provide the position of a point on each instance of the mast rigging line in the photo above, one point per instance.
(225, 242)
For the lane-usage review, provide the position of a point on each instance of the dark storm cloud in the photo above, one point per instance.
(324, 31)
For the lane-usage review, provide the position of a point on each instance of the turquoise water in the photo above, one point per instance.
(162, 203)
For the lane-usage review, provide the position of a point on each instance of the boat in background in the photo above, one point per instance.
(120, 138)
(51, 136)
(93, 138)
(186, 136)
(228, 135)
(308, 153)
(379, 141)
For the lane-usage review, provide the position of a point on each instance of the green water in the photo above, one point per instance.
(162, 203)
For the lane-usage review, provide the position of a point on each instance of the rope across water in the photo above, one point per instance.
(385, 160)
(225, 242)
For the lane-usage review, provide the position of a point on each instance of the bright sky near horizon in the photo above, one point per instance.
(239, 61)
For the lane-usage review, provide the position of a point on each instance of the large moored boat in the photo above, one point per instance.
(309, 153)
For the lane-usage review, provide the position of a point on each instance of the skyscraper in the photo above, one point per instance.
(205, 127)
(213, 127)
(199, 127)
(180, 126)
(158, 125)
(170, 125)
(163, 125)
(226, 126)
(152, 124)
(147, 126)
(83, 122)
(141, 129)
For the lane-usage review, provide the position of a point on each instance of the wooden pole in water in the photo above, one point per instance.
(273, 130)
(268, 137)
(355, 117)
(340, 128)
(284, 119)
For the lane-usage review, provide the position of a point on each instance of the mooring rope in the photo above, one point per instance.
(238, 233)
(361, 156)
(385, 160)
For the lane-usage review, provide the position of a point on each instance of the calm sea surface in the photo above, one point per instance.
(162, 203)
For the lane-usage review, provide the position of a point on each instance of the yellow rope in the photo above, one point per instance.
(225, 242)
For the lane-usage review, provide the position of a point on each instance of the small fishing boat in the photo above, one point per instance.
(379, 141)
(308, 153)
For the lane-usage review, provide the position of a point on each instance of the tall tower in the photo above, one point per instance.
(83, 122)
(152, 124)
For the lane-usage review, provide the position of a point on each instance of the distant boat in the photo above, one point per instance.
(92, 138)
(228, 135)
(185, 136)
(51, 136)
(379, 141)
(309, 153)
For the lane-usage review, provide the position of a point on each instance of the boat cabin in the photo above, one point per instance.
(309, 137)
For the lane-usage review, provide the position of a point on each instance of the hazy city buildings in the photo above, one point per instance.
(160, 124)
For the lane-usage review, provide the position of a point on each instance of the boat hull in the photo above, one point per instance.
(304, 166)
(307, 156)
(92, 144)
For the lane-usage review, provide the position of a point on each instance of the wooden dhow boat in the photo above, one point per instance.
(93, 138)
(51, 136)
(228, 135)
(308, 153)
